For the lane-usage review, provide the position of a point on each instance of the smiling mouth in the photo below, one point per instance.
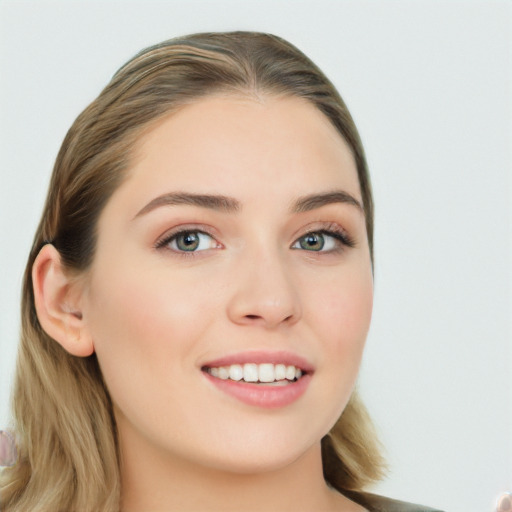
(254, 380)
(265, 374)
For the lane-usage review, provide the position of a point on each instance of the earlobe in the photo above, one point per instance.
(57, 300)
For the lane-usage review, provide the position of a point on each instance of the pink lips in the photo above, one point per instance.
(257, 394)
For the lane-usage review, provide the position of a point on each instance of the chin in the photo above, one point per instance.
(253, 456)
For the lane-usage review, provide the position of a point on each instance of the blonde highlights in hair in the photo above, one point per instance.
(62, 410)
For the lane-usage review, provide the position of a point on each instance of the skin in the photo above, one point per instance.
(154, 316)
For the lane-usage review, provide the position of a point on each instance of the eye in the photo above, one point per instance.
(189, 241)
(322, 241)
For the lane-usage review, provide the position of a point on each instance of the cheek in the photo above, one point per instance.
(339, 317)
(145, 326)
(344, 311)
(147, 305)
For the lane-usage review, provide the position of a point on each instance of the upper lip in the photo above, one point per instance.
(261, 357)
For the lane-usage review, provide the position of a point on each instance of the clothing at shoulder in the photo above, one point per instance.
(375, 503)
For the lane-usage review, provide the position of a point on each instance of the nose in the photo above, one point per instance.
(264, 293)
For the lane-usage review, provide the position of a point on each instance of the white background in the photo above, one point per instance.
(429, 84)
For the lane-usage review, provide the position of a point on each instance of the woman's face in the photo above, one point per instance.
(236, 247)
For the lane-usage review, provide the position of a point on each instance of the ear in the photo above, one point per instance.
(57, 300)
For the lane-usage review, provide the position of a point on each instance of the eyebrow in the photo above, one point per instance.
(231, 205)
(212, 202)
(314, 201)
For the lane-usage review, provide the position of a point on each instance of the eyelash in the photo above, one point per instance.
(330, 230)
(167, 239)
(333, 231)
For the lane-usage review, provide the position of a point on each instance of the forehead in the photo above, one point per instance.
(239, 145)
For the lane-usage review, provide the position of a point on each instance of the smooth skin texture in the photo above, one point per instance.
(155, 313)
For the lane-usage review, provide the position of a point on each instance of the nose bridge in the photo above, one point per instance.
(265, 292)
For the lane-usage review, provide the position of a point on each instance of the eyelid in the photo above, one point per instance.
(331, 229)
(166, 238)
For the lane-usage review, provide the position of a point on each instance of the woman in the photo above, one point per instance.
(199, 292)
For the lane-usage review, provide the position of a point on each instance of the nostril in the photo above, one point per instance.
(257, 309)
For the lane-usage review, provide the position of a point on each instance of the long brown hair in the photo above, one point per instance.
(62, 410)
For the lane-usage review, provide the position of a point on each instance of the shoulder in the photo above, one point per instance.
(376, 503)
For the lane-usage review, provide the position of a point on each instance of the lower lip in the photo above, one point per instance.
(269, 397)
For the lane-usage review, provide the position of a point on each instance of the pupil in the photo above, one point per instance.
(313, 242)
(188, 242)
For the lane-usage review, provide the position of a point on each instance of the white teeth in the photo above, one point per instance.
(236, 372)
(251, 372)
(280, 372)
(223, 373)
(290, 372)
(266, 373)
